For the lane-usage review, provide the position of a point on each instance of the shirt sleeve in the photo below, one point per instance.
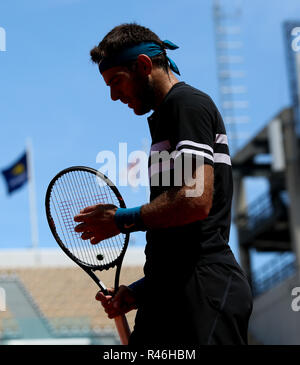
(138, 288)
(192, 130)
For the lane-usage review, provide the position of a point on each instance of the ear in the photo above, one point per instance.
(144, 64)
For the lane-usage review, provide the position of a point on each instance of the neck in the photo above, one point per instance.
(162, 84)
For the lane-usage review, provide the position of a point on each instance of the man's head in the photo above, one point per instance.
(128, 58)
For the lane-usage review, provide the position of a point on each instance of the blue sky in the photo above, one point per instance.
(51, 92)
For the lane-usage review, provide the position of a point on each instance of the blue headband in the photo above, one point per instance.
(150, 49)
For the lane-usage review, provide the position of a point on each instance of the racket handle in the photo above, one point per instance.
(123, 329)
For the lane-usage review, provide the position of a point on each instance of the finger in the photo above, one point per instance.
(87, 235)
(100, 294)
(112, 312)
(117, 299)
(80, 218)
(90, 208)
(84, 216)
(94, 240)
(108, 308)
(104, 299)
(81, 227)
(86, 213)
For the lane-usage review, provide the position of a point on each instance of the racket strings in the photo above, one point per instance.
(104, 197)
(71, 193)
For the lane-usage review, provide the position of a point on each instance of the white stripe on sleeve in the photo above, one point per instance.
(194, 152)
(194, 144)
(222, 158)
(221, 138)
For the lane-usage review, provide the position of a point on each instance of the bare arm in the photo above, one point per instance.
(175, 208)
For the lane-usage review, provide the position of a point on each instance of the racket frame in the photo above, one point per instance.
(121, 322)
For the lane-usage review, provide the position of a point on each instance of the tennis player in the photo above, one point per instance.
(193, 290)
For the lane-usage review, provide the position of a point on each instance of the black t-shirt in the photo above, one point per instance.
(187, 123)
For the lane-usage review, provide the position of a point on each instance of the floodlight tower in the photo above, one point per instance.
(230, 69)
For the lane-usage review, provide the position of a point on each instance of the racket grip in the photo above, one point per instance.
(123, 329)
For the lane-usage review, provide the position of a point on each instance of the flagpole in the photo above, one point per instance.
(32, 196)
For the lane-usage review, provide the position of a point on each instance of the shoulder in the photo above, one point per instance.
(186, 105)
(183, 96)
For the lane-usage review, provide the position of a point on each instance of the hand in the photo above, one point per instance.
(98, 222)
(123, 302)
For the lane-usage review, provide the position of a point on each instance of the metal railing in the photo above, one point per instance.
(273, 273)
(262, 210)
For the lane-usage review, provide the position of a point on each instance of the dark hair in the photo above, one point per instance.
(124, 36)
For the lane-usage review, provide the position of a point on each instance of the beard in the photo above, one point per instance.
(144, 96)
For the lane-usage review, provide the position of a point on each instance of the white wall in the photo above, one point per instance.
(273, 321)
(56, 258)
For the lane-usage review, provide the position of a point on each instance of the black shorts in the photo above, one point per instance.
(211, 308)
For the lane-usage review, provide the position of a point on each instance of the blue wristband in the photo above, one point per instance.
(129, 219)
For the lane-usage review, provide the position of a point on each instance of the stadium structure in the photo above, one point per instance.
(270, 223)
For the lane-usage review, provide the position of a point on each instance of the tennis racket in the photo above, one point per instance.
(70, 191)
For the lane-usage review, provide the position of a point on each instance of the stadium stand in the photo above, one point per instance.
(62, 297)
(51, 301)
